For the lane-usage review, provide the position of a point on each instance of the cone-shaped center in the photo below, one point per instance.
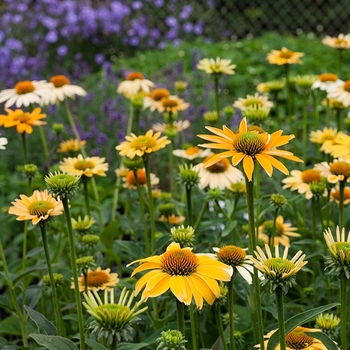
(179, 262)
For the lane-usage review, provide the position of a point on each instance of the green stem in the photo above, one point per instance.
(24, 249)
(24, 143)
(21, 317)
(171, 167)
(340, 63)
(255, 288)
(150, 199)
(45, 149)
(217, 101)
(189, 205)
(339, 119)
(86, 195)
(328, 113)
(341, 203)
(231, 314)
(304, 129)
(137, 120)
(343, 312)
(220, 327)
(180, 316)
(272, 237)
(200, 215)
(194, 327)
(280, 313)
(55, 300)
(286, 67)
(315, 109)
(142, 210)
(75, 272)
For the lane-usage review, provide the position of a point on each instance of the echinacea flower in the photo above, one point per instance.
(183, 235)
(23, 121)
(300, 181)
(71, 145)
(325, 81)
(217, 66)
(3, 142)
(112, 320)
(153, 100)
(340, 92)
(39, 207)
(130, 180)
(172, 219)
(279, 271)
(62, 185)
(339, 261)
(247, 146)
(297, 339)
(88, 166)
(271, 87)
(134, 83)
(252, 100)
(218, 175)
(83, 225)
(97, 280)
(177, 126)
(142, 145)
(188, 275)
(329, 324)
(171, 104)
(281, 234)
(237, 258)
(321, 136)
(338, 170)
(284, 56)
(61, 89)
(25, 93)
(171, 339)
(335, 195)
(341, 42)
(191, 153)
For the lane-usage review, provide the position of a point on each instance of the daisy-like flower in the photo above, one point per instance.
(39, 207)
(279, 271)
(188, 275)
(300, 181)
(23, 121)
(271, 87)
(218, 175)
(340, 92)
(171, 104)
(335, 195)
(71, 145)
(321, 136)
(253, 100)
(25, 93)
(3, 142)
(341, 42)
(153, 100)
(339, 261)
(248, 146)
(338, 170)
(142, 145)
(281, 235)
(218, 66)
(297, 339)
(339, 147)
(112, 320)
(97, 280)
(329, 324)
(333, 103)
(61, 89)
(88, 166)
(177, 126)
(325, 81)
(237, 258)
(83, 225)
(130, 181)
(134, 82)
(284, 56)
(191, 153)
(172, 219)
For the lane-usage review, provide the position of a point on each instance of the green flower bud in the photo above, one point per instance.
(183, 235)
(166, 209)
(90, 240)
(85, 263)
(211, 116)
(134, 164)
(278, 201)
(188, 176)
(58, 280)
(171, 340)
(30, 171)
(62, 184)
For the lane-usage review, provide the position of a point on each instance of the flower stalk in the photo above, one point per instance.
(280, 312)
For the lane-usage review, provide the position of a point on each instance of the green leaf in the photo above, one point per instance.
(324, 338)
(110, 233)
(228, 229)
(28, 271)
(95, 345)
(54, 342)
(43, 324)
(297, 320)
(130, 346)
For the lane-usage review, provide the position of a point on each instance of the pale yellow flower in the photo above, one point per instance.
(341, 42)
(253, 100)
(217, 66)
(284, 56)
(88, 166)
(134, 82)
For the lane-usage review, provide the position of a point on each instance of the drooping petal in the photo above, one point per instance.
(178, 288)
(248, 166)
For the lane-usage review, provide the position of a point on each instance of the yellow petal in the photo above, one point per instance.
(143, 280)
(248, 166)
(178, 288)
(264, 162)
(204, 289)
(243, 125)
(277, 164)
(196, 294)
(146, 266)
(157, 285)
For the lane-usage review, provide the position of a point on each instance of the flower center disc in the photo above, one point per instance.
(158, 94)
(23, 117)
(250, 143)
(339, 41)
(231, 255)
(347, 85)
(83, 165)
(190, 151)
(220, 167)
(96, 278)
(286, 54)
(179, 262)
(340, 168)
(327, 77)
(141, 176)
(59, 81)
(298, 340)
(279, 265)
(168, 103)
(143, 142)
(268, 228)
(24, 87)
(311, 175)
(113, 316)
(344, 246)
(40, 208)
(252, 102)
(134, 76)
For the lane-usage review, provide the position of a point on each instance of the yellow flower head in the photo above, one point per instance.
(341, 42)
(217, 66)
(97, 280)
(71, 145)
(41, 206)
(142, 145)
(23, 121)
(284, 56)
(247, 146)
(88, 166)
(185, 273)
(250, 101)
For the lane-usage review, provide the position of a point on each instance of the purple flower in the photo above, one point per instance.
(198, 29)
(188, 27)
(137, 5)
(62, 50)
(14, 44)
(99, 58)
(51, 37)
(171, 21)
(158, 3)
(186, 11)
